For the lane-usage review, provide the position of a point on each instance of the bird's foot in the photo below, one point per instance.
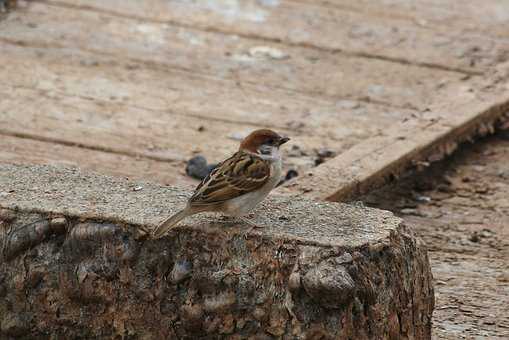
(251, 224)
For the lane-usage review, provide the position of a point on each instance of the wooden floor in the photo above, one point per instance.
(135, 88)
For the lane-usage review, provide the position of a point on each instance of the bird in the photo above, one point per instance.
(236, 185)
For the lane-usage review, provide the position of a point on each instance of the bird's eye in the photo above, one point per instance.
(270, 141)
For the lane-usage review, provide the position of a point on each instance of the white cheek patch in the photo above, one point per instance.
(265, 150)
(269, 152)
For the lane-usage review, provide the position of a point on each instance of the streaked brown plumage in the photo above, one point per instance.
(237, 184)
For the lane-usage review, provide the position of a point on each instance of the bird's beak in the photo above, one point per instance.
(283, 140)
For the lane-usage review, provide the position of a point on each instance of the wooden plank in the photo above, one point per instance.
(135, 86)
(14, 150)
(110, 80)
(305, 71)
(126, 130)
(466, 114)
(489, 18)
(306, 24)
(179, 98)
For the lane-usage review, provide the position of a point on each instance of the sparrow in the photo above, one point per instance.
(236, 185)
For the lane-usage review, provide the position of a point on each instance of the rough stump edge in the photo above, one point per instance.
(55, 271)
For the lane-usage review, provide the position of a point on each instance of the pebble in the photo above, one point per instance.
(422, 198)
(198, 168)
(267, 52)
(296, 151)
(289, 175)
(323, 154)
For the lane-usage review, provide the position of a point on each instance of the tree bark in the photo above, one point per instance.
(77, 263)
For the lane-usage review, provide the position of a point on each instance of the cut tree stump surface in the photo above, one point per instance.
(77, 261)
(98, 84)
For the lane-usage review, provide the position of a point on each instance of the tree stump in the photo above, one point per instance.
(77, 262)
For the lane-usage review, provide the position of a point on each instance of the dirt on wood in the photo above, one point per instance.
(460, 207)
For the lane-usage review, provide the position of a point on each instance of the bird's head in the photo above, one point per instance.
(263, 141)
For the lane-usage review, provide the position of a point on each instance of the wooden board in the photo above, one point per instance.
(298, 71)
(487, 18)
(161, 81)
(463, 115)
(328, 28)
(96, 108)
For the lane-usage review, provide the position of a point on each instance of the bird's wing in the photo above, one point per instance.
(240, 174)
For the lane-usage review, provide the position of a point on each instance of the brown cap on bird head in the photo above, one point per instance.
(263, 136)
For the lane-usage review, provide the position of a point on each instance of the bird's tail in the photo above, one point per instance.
(170, 223)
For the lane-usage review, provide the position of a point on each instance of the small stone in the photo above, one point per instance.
(267, 52)
(325, 153)
(503, 174)
(291, 174)
(138, 188)
(348, 104)
(474, 237)
(422, 198)
(296, 151)
(198, 168)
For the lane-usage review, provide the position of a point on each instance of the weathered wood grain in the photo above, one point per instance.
(307, 24)
(167, 80)
(488, 18)
(103, 106)
(298, 70)
(111, 80)
(461, 116)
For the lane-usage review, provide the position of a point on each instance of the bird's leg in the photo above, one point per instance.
(250, 223)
